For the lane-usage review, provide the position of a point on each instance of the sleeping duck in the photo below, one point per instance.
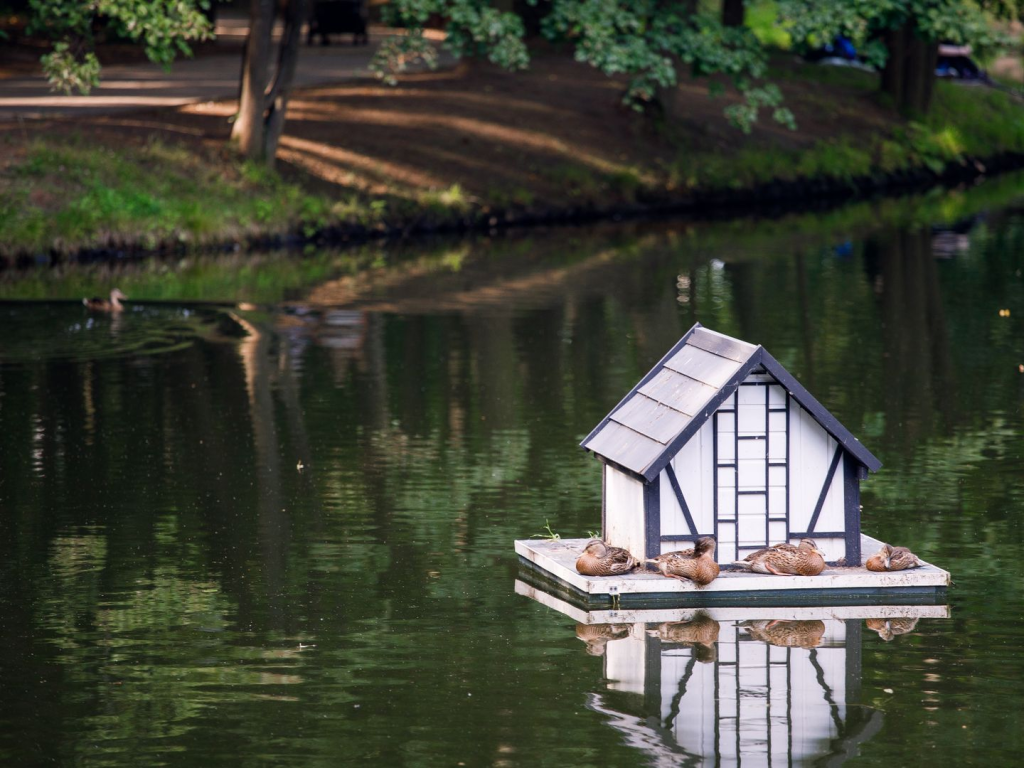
(786, 560)
(890, 558)
(697, 564)
(598, 559)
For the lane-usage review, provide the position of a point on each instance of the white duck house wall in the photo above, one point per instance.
(720, 440)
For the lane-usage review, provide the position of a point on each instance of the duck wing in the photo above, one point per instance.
(619, 560)
(671, 557)
(902, 558)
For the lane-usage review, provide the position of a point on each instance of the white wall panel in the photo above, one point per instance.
(726, 504)
(726, 542)
(752, 417)
(751, 395)
(776, 532)
(693, 466)
(833, 512)
(753, 449)
(811, 449)
(624, 511)
(704, 511)
(751, 472)
(726, 437)
(672, 520)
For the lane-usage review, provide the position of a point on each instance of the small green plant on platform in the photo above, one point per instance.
(550, 535)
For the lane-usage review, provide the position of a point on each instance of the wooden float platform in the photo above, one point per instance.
(551, 564)
(729, 612)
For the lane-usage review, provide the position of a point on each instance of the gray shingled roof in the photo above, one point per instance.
(670, 403)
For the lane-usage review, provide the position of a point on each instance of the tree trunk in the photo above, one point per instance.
(261, 110)
(532, 15)
(288, 58)
(909, 73)
(920, 79)
(733, 12)
(248, 130)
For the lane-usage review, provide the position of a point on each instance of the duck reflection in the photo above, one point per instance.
(699, 633)
(597, 636)
(786, 634)
(888, 628)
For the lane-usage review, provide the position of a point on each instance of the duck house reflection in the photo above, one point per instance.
(773, 692)
(730, 685)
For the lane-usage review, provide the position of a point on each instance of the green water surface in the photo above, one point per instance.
(282, 534)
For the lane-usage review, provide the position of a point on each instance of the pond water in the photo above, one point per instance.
(281, 533)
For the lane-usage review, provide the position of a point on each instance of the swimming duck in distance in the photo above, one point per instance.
(890, 558)
(697, 565)
(598, 559)
(786, 560)
(104, 305)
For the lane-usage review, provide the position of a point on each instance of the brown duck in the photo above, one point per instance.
(787, 634)
(697, 564)
(786, 560)
(598, 559)
(890, 558)
(103, 305)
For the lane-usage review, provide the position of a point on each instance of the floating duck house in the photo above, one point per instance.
(720, 440)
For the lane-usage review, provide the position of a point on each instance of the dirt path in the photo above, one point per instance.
(213, 74)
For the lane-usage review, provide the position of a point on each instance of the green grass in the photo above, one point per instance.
(451, 200)
(68, 193)
(963, 123)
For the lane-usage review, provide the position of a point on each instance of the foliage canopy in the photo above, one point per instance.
(648, 40)
(164, 28)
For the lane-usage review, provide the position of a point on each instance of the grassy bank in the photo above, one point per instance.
(66, 191)
(361, 274)
(460, 146)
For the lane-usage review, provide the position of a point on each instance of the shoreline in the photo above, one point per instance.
(766, 200)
